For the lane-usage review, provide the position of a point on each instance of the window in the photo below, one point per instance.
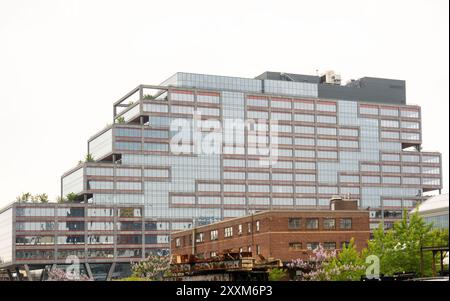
(294, 223)
(326, 131)
(349, 179)
(312, 223)
(129, 226)
(370, 167)
(312, 245)
(329, 245)
(348, 143)
(304, 105)
(257, 225)
(199, 237)
(304, 129)
(240, 229)
(100, 239)
(326, 119)
(228, 231)
(348, 132)
(130, 212)
(327, 155)
(295, 246)
(410, 125)
(213, 254)
(249, 228)
(389, 123)
(129, 239)
(43, 240)
(325, 107)
(70, 239)
(258, 250)
(214, 234)
(368, 110)
(409, 113)
(178, 242)
(329, 223)
(389, 111)
(346, 223)
(370, 179)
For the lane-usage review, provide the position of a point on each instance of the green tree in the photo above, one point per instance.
(71, 197)
(24, 197)
(89, 158)
(148, 97)
(153, 268)
(399, 248)
(41, 198)
(120, 120)
(347, 265)
(277, 274)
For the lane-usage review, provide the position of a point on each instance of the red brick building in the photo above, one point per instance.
(278, 234)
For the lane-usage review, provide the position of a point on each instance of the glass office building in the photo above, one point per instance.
(303, 141)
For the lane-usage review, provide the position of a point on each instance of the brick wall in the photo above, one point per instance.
(274, 235)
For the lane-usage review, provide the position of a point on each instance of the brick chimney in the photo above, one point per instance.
(338, 203)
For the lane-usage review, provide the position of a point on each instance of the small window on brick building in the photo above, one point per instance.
(329, 223)
(330, 245)
(199, 237)
(228, 232)
(213, 254)
(240, 229)
(249, 228)
(294, 223)
(241, 250)
(312, 245)
(249, 248)
(178, 242)
(295, 246)
(346, 223)
(214, 234)
(312, 223)
(257, 225)
(258, 250)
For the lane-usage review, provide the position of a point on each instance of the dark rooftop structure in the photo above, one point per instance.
(369, 89)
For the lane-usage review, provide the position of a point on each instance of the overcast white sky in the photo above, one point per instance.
(63, 63)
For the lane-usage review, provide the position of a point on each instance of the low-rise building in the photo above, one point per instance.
(278, 234)
(435, 211)
(102, 239)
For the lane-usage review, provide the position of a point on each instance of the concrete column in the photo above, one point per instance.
(88, 270)
(27, 269)
(111, 271)
(11, 278)
(19, 275)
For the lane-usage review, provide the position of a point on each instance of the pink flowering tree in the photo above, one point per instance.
(58, 274)
(328, 265)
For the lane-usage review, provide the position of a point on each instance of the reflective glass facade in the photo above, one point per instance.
(324, 148)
